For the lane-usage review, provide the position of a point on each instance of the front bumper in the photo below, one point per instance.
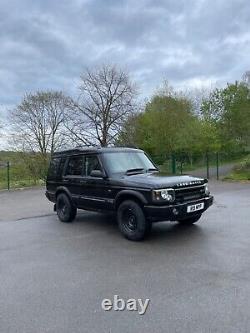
(175, 212)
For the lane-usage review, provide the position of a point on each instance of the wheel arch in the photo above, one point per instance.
(130, 195)
(64, 190)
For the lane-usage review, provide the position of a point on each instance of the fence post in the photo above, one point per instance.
(207, 160)
(217, 166)
(8, 175)
(173, 164)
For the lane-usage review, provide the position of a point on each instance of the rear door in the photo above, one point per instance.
(73, 178)
(53, 174)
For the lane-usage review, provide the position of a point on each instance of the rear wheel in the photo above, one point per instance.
(66, 211)
(132, 222)
(190, 220)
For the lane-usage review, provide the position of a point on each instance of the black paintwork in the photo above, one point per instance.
(107, 192)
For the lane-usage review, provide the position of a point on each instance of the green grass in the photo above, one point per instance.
(20, 174)
(238, 176)
(241, 171)
(21, 183)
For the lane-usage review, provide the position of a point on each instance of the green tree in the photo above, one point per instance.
(172, 123)
(161, 129)
(228, 110)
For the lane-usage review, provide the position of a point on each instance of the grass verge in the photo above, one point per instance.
(241, 171)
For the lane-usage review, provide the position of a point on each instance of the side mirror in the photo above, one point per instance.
(97, 174)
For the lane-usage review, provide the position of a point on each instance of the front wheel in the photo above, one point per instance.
(190, 220)
(66, 211)
(132, 222)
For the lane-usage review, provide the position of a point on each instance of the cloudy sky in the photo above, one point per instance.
(45, 44)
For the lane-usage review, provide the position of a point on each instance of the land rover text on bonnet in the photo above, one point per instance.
(127, 182)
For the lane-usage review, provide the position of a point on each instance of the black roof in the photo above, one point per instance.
(97, 150)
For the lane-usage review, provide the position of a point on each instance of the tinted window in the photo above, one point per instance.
(75, 166)
(91, 163)
(54, 167)
(61, 166)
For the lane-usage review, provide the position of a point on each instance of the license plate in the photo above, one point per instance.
(194, 208)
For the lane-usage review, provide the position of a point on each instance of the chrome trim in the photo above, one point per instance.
(189, 187)
(97, 199)
(164, 188)
(93, 199)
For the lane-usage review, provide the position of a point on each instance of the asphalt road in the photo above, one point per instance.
(224, 170)
(54, 276)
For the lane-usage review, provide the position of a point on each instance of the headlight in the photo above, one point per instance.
(164, 195)
(207, 192)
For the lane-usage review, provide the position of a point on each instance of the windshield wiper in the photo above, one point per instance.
(152, 169)
(135, 170)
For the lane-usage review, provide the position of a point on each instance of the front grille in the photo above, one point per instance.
(189, 193)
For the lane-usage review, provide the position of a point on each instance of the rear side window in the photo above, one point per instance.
(61, 167)
(91, 163)
(54, 167)
(75, 166)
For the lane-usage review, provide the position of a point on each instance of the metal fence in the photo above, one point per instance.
(208, 165)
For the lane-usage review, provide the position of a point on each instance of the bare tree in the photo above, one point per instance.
(2, 133)
(1, 137)
(37, 125)
(107, 98)
(1, 121)
(246, 78)
(37, 122)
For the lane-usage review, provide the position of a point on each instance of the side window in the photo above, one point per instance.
(61, 167)
(75, 166)
(91, 163)
(54, 167)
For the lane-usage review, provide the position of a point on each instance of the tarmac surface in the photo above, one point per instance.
(54, 276)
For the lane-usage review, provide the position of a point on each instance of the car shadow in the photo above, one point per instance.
(168, 232)
(173, 231)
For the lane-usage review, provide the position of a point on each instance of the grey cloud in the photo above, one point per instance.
(46, 44)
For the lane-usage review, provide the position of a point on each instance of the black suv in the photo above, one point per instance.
(126, 181)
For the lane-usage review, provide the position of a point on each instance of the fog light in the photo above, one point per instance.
(207, 192)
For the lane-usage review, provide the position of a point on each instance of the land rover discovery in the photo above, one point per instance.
(127, 182)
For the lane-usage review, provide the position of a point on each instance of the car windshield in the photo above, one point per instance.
(124, 162)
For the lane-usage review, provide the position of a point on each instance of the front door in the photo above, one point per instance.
(95, 192)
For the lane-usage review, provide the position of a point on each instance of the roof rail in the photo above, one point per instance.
(79, 149)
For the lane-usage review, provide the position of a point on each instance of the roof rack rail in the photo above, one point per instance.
(72, 150)
(79, 149)
(127, 146)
